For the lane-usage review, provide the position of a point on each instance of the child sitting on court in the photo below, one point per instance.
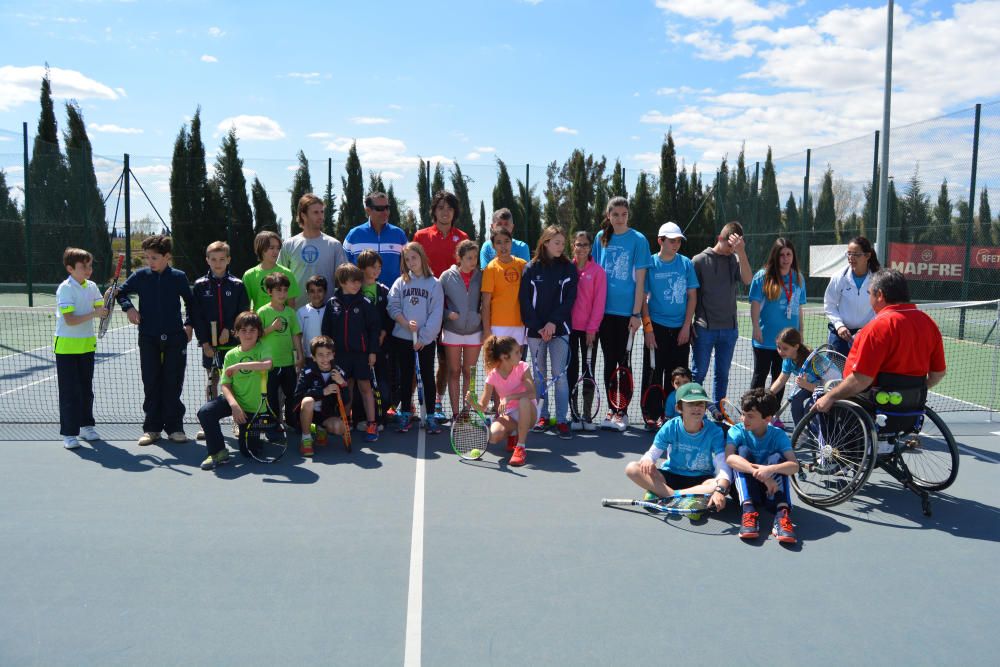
(267, 246)
(78, 302)
(354, 324)
(687, 454)
(678, 377)
(794, 354)
(163, 338)
(762, 459)
(311, 314)
(240, 388)
(510, 378)
(316, 395)
(282, 343)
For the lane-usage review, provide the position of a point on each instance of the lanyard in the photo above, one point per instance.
(790, 290)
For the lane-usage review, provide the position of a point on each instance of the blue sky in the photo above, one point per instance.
(525, 81)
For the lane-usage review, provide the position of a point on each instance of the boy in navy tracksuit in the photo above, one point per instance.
(219, 297)
(377, 293)
(163, 338)
(354, 324)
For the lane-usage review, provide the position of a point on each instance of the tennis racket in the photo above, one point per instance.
(109, 298)
(654, 399)
(470, 430)
(347, 424)
(823, 365)
(731, 413)
(264, 419)
(377, 393)
(420, 380)
(679, 503)
(545, 387)
(585, 399)
(620, 389)
(212, 389)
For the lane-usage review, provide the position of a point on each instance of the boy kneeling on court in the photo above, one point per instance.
(687, 454)
(762, 459)
(239, 386)
(316, 395)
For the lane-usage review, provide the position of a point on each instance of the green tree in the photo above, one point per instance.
(352, 204)
(424, 193)
(601, 198)
(960, 221)
(460, 186)
(231, 184)
(869, 215)
(395, 218)
(375, 182)
(301, 185)
(722, 212)
(329, 202)
(942, 214)
(531, 207)
(581, 193)
(182, 197)
(481, 236)
(666, 200)
(86, 204)
(265, 219)
(683, 195)
(824, 225)
(984, 222)
(641, 208)
(791, 215)
(617, 188)
(437, 181)
(553, 194)
(769, 207)
(503, 197)
(47, 184)
(916, 213)
(12, 269)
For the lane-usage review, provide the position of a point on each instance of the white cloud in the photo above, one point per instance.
(737, 11)
(320, 135)
(303, 75)
(391, 176)
(369, 120)
(473, 156)
(216, 32)
(121, 91)
(209, 59)
(21, 85)
(709, 46)
(562, 129)
(683, 90)
(247, 127)
(394, 107)
(532, 2)
(486, 149)
(114, 129)
(383, 153)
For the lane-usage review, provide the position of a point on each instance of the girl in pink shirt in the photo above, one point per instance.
(510, 378)
(587, 313)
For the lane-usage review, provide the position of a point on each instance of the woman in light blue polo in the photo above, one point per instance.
(777, 295)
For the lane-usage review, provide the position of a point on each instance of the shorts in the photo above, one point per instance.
(355, 365)
(327, 409)
(515, 412)
(517, 333)
(679, 482)
(452, 339)
(206, 362)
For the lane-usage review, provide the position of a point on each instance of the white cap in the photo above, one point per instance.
(671, 230)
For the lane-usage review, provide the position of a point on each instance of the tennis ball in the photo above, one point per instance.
(475, 453)
(895, 398)
(882, 397)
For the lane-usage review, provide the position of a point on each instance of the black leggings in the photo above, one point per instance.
(403, 350)
(766, 361)
(577, 350)
(669, 355)
(613, 335)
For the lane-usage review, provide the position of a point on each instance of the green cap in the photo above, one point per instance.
(692, 392)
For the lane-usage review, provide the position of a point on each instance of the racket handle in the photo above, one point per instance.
(263, 382)
(414, 336)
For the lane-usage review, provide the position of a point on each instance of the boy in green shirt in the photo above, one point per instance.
(282, 343)
(239, 387)
(267, 246)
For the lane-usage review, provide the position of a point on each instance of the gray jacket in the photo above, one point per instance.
(465, 302)
(420, 300)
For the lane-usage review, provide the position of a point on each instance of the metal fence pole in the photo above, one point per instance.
(968, 224)
(126, 183)
(805, 199)
(27, 219)
(864, 232)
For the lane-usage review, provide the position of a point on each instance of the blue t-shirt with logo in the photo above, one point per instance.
(684, 453)
(625, 254)
(667, 284)
(773, 311)
(774, 441)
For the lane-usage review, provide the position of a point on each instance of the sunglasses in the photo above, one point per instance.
(380, 209)
(855, 254)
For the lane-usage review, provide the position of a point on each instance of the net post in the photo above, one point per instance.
(968, 223)
(126, 183)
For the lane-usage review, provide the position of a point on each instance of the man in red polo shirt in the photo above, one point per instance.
(439, 242)
(900, 340)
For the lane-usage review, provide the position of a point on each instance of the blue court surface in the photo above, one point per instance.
(400, 553)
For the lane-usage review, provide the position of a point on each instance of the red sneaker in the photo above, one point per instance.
(511, 442)
(750, 528)
(517, 458)
(783, 528)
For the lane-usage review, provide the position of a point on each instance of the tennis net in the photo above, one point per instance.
(29, 393)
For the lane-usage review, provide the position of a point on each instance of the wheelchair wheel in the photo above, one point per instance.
(931, 455)
(836, 454)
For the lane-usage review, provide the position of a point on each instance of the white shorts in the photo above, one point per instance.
(453, 339)
(517, 333)
(514, 411)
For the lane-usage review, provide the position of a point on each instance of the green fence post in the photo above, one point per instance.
(27, 219)
(126, 183)
(968, 224)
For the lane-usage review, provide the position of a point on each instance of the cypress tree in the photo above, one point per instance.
(481, 236)
(182, 225)
(265, 219)
(641, 208)
(581, 193)
(916, 213)
(791, 215)
(231, 184)
(13, 268)
(984, 223)
(769, 209)
(531, 206)
(86, 204)
(869, 215)
(553, 193)
(208, 214)
(503, 196)
(618, 188)
(375, 182)
(826, 217)
(47, 182)
(395, 217)
(460, 186)
(722, 213)
(893, 213)
(424, 194)
(352, 205)
(437, 181)
(683, 200)
(601, 198)
(301, 184)
(329, 205)
(666, 200)
(960, 221)
(942, 214)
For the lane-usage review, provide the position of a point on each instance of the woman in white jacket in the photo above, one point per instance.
(846, 299)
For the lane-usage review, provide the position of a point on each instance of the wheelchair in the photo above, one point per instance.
(888, 426)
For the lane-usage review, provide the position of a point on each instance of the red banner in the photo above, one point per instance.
(939, 262)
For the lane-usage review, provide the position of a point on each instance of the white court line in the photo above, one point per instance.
(51, 377)
(415, 596)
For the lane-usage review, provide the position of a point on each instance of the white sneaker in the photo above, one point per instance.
(178, 436)
(89, 433)
(70, 442)
(200, 435)
(589, 426)
(148, 439)
(609, 423)
(620, 423)
(576, 425)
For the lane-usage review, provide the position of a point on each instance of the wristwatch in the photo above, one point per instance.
(639, 314)
(719, 489)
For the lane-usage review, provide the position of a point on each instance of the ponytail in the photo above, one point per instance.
(495, 348)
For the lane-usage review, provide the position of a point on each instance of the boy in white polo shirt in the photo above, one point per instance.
(78, 302)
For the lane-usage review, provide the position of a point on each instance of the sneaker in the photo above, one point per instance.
(511, 442)
(576, 425)
(651, 497)
(517, 458)
(431, 426)
(200, 435)
(178, 436)
(562, 428)
(148, 439)
(438, 411)
(361, 426)
(589, 426)
(749, 528)
(222, 457)
(783, 528)
(306, 448)
(391, 413)
(212, 461)
(371, 434)
(404, 418)
(88, 433)
(541, 426)
(608, 422)
(70, 442)
(322, 437)
(620, 423)
(208, 463)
